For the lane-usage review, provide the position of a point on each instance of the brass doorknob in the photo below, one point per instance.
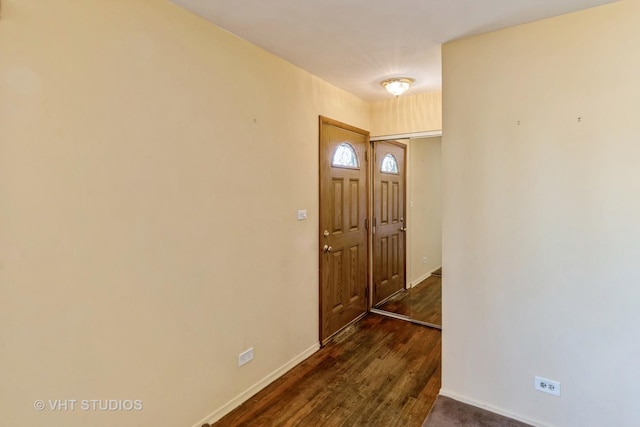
(327, 248)
(403, 229)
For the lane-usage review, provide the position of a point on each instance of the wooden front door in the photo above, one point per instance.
(343, 225)
(389, 225)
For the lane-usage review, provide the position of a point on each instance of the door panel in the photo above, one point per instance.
(343, 232)
(389, 237)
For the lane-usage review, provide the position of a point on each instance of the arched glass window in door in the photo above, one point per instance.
(345, 157)
(389, 164)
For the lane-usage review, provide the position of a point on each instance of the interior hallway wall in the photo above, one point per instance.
(540, 217)
(425, 207)
(151, 166)
(407, 114)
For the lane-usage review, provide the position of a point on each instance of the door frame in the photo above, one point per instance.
(325, 120)
(368, 154)
(411, 280)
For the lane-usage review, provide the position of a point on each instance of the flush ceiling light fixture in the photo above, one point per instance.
(397, 86)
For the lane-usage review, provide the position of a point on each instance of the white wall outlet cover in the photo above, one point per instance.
(245, 357)
(302, 214)
(547, 386)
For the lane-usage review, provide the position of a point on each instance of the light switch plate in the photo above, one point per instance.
(302, 214)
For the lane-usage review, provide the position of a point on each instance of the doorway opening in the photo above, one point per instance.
(370, 259)
(421, 300)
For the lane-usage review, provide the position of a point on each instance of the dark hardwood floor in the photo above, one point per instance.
(379, 372)
(399, 303)
(423, 302)
(426, 300)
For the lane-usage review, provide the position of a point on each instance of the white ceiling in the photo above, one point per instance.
(355, 44)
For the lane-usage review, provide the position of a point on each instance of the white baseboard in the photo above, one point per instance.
(414, 283)
(421, 278)
(245, 395)
(491, 408)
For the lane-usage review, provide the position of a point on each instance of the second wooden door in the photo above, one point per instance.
(389, 224)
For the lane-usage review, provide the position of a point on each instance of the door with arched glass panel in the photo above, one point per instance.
(389, 225)
(343, 225)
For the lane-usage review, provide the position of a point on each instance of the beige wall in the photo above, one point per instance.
(407, 114)
(541, 238)
(151, 166)
(425, 196)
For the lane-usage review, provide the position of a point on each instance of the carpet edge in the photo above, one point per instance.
(490, 408)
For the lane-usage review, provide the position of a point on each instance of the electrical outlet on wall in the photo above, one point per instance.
(547, 386)
(424, 259)
(245, 357)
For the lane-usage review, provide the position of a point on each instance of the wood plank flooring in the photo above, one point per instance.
(423, 302)
(379, 372)
(399, 303)
(426, 300)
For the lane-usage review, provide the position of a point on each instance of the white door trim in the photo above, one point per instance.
(426, 134)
